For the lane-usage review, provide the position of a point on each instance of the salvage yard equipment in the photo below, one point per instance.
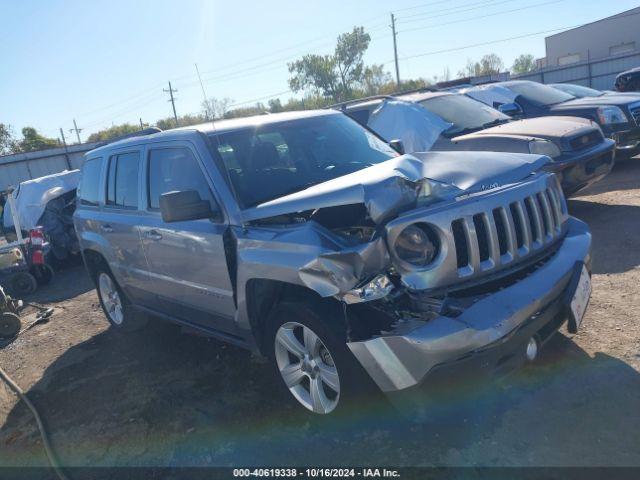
(9, 320)
(22, 262)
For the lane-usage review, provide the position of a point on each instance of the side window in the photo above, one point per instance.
(122, 180)
(88, 191)
(174, 169)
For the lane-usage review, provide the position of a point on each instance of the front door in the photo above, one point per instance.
(186, 260)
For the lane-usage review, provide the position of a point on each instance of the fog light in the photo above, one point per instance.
(532, 349)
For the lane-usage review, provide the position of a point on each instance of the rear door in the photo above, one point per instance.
(118, 223)
(186, 260)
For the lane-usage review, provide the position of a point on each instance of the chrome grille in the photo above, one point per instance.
(485, 233)
(586, 141)
(635, 113)
(497, 237)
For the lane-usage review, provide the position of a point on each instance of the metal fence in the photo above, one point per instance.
(19, 167)
(595, 73)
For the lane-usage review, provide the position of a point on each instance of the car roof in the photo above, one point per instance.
(421, 96)
(412, 97)
(218, 126)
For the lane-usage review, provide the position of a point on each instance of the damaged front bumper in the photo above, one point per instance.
(402, 359)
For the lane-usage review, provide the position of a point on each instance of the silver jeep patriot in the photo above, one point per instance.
(305, 237)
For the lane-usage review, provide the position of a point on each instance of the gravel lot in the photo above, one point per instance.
(162, 397)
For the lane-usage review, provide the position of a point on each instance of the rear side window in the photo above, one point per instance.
(175, 169)
(89, 188)
(122, 180)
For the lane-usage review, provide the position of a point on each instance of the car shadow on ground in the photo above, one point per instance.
(603, 219)
(67, 283)
(623, 177)
(159, 397)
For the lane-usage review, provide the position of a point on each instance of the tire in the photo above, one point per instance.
(43, 273)
(9, 325)
(23, 283)
(116, 306)
(307, 346)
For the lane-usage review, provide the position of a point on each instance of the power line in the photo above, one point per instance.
(453, 10)
(482, 16)
(464, 47)
(423, 5)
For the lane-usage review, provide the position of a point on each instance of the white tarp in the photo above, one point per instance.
(490, 94)
(417, 127)
(32, 196)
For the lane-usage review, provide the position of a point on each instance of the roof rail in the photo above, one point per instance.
(139, 133)
(343, 105)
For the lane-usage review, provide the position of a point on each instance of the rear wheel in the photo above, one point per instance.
(23, 283)
(43, 273)
(114, 303)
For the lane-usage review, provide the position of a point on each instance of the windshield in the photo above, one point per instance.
(578, 91)
(539, 93)
(277, 159)
(463, 112)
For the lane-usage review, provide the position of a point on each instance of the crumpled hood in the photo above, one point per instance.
(541, 127)
(394, 186)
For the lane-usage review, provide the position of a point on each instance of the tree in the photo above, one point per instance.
(216, 108)
(33, 141)
(256, 109)
(275, 105)
(524, 63)
(113, 132)
(335, 75)
(8, 144)
(488, 65)
(375, 79)
(184, 121)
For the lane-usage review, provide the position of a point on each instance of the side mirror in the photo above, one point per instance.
(185, 205)
(511, 109)
(397, 145)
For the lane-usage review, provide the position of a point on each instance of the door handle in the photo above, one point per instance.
(152, 235)
(106, 228)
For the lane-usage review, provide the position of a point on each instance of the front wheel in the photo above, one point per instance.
(312, 359)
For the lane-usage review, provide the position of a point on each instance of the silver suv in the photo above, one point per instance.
(305, 237)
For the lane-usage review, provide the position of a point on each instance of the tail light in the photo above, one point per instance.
(36, 238)
(36, 235)
(37, 257)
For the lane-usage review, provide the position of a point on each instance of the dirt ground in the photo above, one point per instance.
(161, 397)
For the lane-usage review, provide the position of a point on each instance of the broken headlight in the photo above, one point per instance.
(379, 287)
(417, 245)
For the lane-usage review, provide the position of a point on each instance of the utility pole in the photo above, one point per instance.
(141, 124)
(171, 91)
(204, 94)
(66, 152)
(395, 48)
(76, 129)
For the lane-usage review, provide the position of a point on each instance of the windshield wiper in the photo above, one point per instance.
(493, 123)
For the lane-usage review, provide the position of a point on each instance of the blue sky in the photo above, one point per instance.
(104, 62)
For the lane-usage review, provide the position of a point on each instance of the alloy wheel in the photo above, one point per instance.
(110, 298)
(307, 367)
